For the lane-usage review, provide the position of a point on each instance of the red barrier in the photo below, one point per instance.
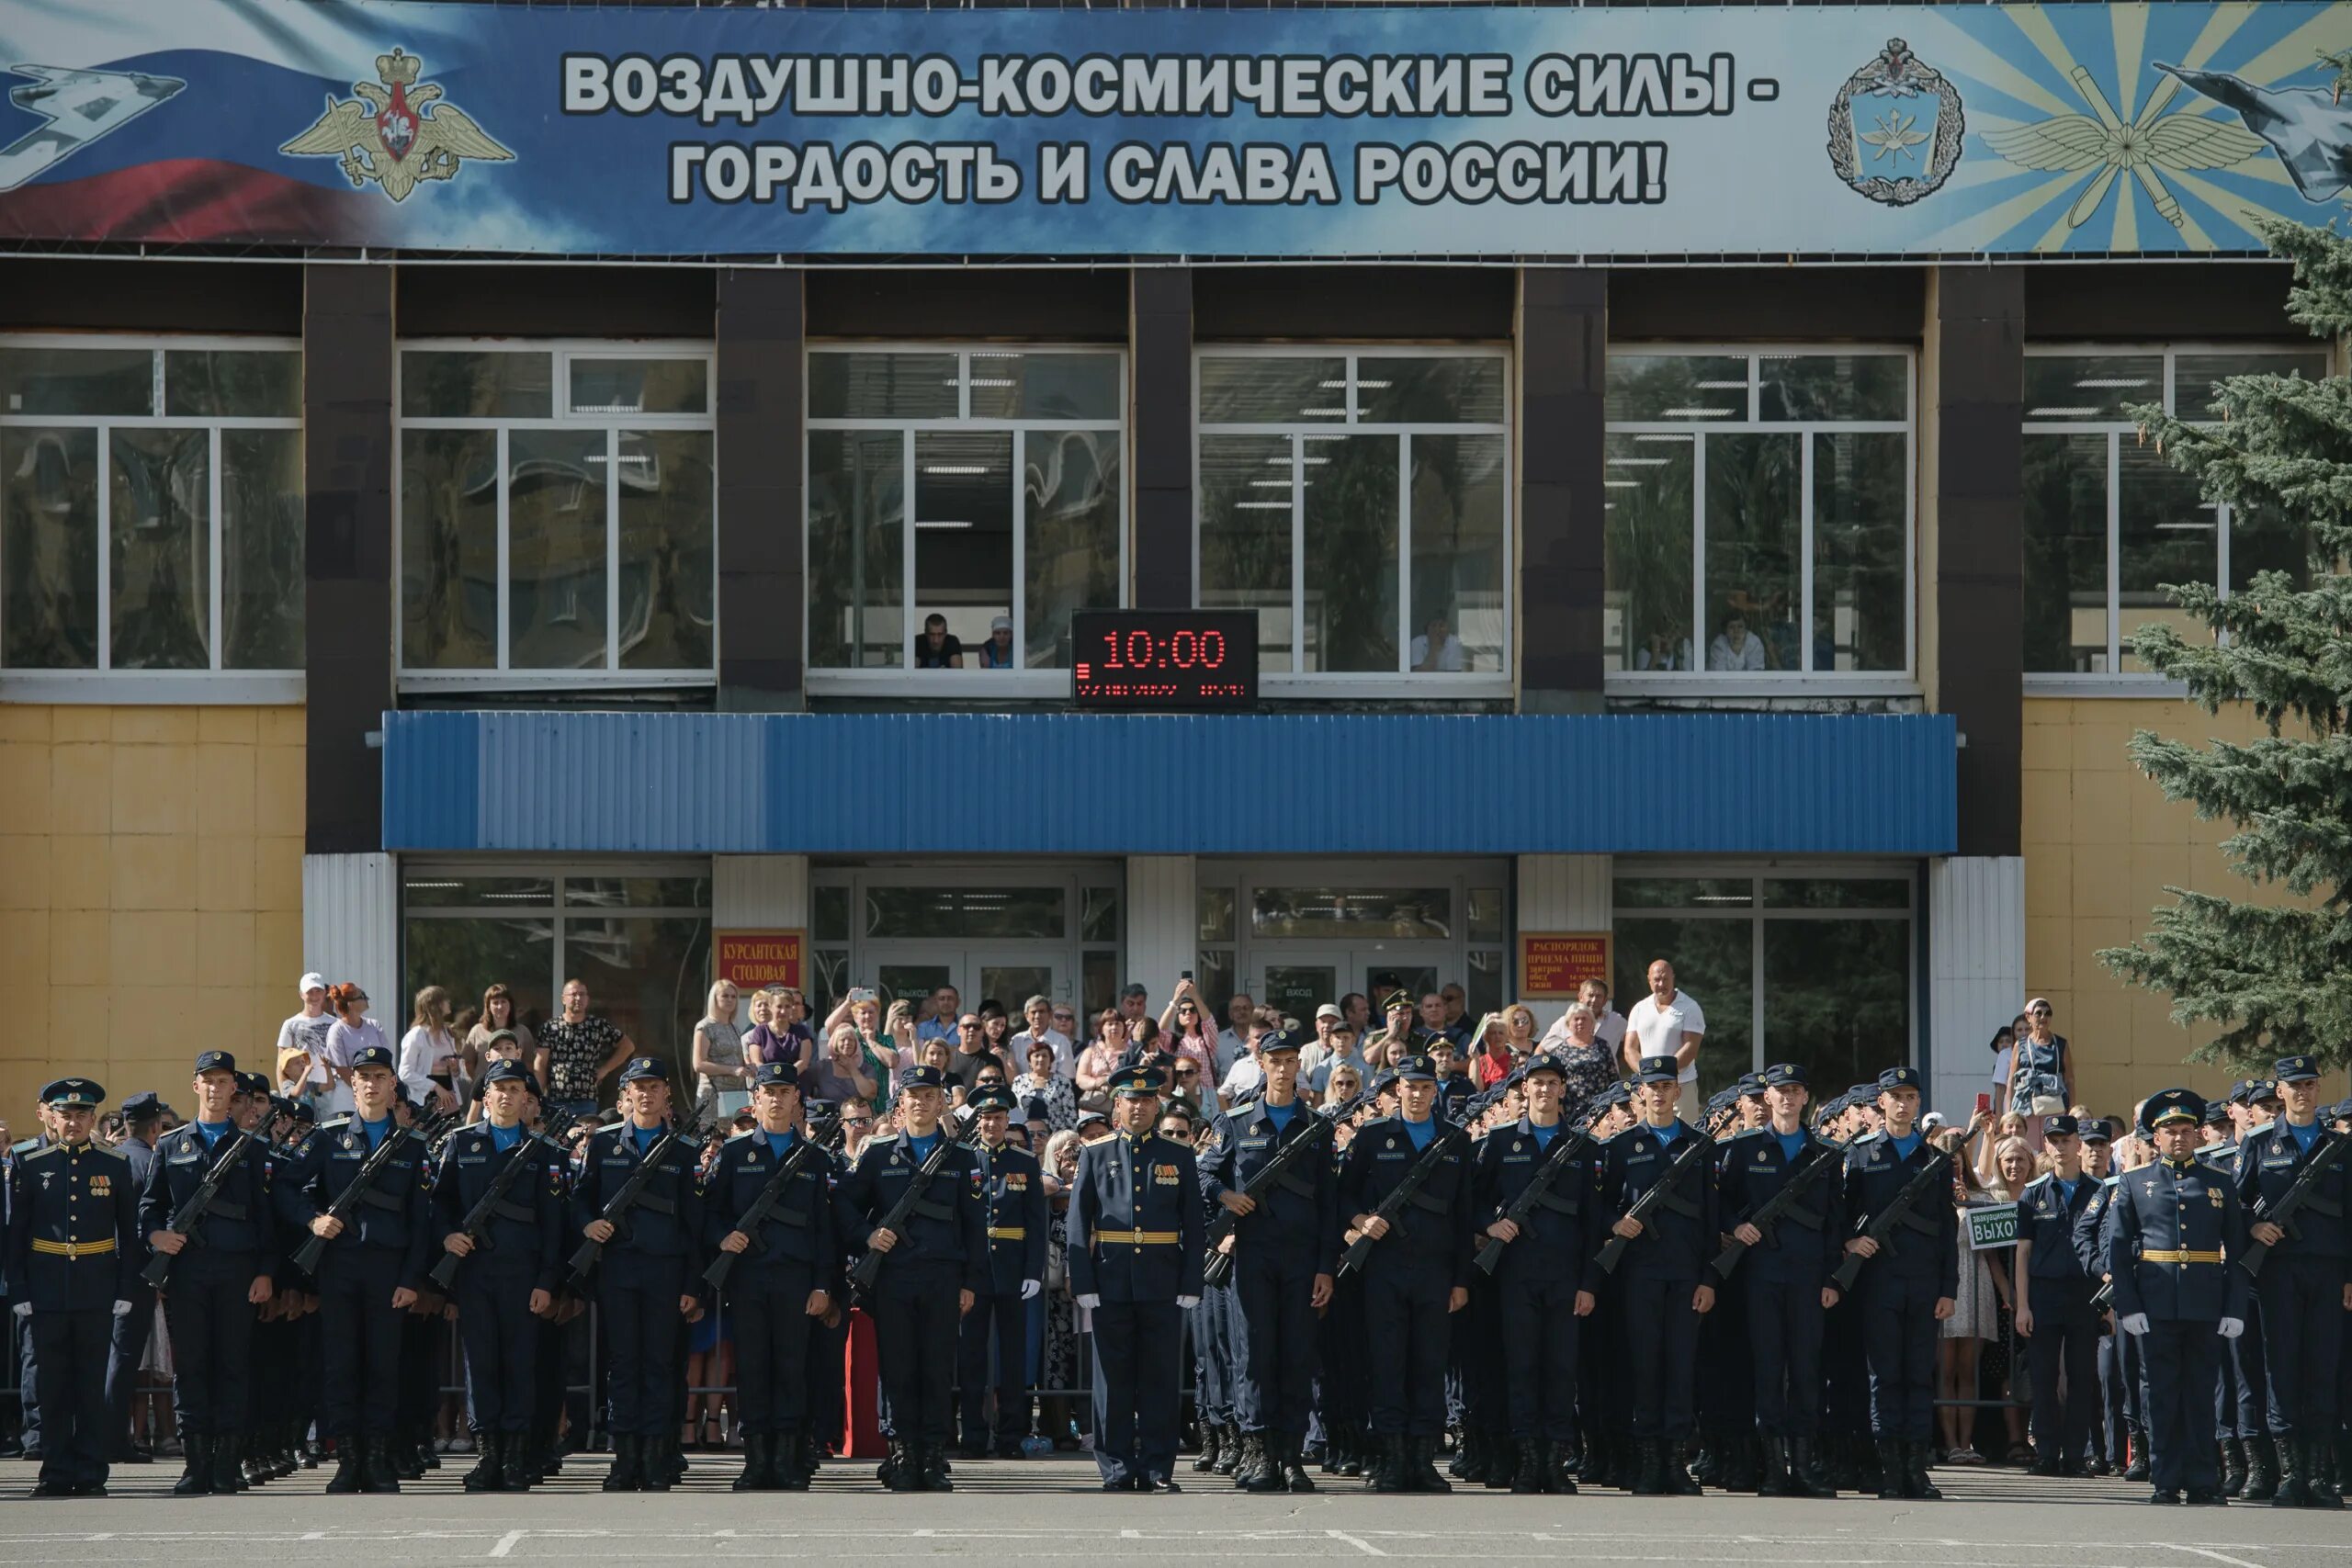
(861, 1391)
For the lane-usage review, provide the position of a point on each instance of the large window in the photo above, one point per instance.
(1791, 965)
(962, 504)
(1759, 510)
(2109, 522)
(1360, 502)
(151, 508)
(557, 515)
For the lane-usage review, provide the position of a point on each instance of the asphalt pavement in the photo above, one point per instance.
(1050, 1510)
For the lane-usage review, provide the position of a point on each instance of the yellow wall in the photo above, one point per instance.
(151, 893)
(2101, 844)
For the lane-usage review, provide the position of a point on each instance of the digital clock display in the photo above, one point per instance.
(1164, 659)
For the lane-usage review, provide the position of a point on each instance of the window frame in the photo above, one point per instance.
(2113, 682)
(503, 676)
(1705, 684)
(1351, 685)
(217, 684)
(906, 680)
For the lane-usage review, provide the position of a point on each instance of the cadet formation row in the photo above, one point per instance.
(1558, 1294)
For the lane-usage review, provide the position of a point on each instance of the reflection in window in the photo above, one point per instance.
(1070, 480)
(1247, 485)
(1351, 567)
(856, 548)
(449, 549)
(1351, 911)
(48, 547)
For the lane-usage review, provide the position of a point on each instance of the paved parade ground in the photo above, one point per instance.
(1017, 1513)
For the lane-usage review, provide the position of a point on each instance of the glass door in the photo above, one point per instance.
(1304, 978)
(1012, 977)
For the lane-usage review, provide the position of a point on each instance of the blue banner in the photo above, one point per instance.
(1594, 134)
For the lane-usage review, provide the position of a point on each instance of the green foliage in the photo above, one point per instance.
(2275, 977)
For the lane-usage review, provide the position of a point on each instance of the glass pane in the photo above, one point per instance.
(1007, 383)
(1467, 389)
(1351, 911)
(1676, 386)
(649, 975)
(161, 554)
(49, 548)
(1295, 990)
(1416, 980)
(1099, 917)
(2090, 385)
(1217, 914)
(636, 892)
(640, 386)
(469, 956)
(2065, 552)
(2266, 540)
(882, 386)
(1459, 565)
(1714, 961)
(1754, 559)
(829, 912)
(1010, 985)
(937, 913)
(1212, 977)
(1648, 551)
(1833, 386)
(2194, 375)
(2167, 533)
(1258, 388)
(554, 549)
(473, 384)
(856, 548)
(1246, 534)
(1837, 892)
(1486, 914)
(1859, 593)
(1072, 480)
(828, 981)
(77, 380)
(261, 541)
(245, 383)
(1351, 559)
(449, 549)
(1836, 996)
(669, 574)
(1684, 893)
(964, 541)
(1482, 991)
(430, 890)
(1098, 980)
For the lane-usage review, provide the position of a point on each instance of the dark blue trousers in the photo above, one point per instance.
(360, 1340)
(1407, 1330)
(1662, 1343)
(1273, 1292)
(127, 1342)
(1537, 1319)
(767, 1312)
(1137, 1361)
(500, 1338)
(915, 1313)
(2179, 1356)
(636, 1298)
(1899, 1333)
(1784, 1323)
(212, 1338)
(2063, 1349)
(2302, 1329)
(997, 1323)
(76, 1435)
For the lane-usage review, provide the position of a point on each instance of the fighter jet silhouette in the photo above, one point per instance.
(80, 106)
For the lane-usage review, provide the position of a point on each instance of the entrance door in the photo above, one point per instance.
(1010, 975)
(1303, 978)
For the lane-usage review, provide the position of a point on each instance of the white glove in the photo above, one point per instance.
(1188, 1302)
(1089, 1301)
(2229, 1328)
(24, 1309)
(2135, 1323)
(1028, 1289)
(123, 1309)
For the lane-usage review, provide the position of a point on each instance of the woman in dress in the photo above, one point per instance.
(718, 1053)
(1591, 1064)
(1058, 1366)
(2042, 1066)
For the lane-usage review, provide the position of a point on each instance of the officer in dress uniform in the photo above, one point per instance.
(507, 1282)
(1012, 1190)
(1284, 1246)
(2173, 1228)
(1906, 1288)
(1418, 1274)
(371, 1270)
(72, 1234)
(934, 1266)
(2056, 1320)
(1137, 1232)
(222, 1271)
(645, 1278)
(1545, 1282)
(2305, 1284)
(786, 1275)
(1785, 1276)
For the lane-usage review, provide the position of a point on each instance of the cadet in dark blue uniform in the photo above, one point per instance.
(1418, 1275)
(645, 1283)
(220, 1273)
(2175, 1229)
(1664, 1288)
(783, 1278)
(505, 1288)
(2109, 1429)
(1013, 1194)
(73, 1251)
(1546, 1281)
(1136, 1237)
(1285, 1243)
(2053, 1289)
(371, 1271)
(1906, 1288)
(1785, 1276)
(2305, 1284)
(933, 1268)
(142, 1116)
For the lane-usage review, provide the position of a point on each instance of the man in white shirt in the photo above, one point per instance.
(1667, 1023)
(1610, 1028)
(1040, 1015)
(1437, 648)
(305, 1034)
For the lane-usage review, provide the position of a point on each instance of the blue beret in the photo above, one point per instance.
(2097, 1131)
(252, 1083)
(2062, 1126)
(1749, 1083)
(1281, 1040)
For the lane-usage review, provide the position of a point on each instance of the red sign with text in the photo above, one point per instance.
(1554, 964)
(754, 959)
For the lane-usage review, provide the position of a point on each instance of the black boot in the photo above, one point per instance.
(489, 1473)
(627, 1474)
(898, 1469)
(759, 1457)
(1680, 1482)
(785, 1471)
(514, 1471)
(196, 1480)
(1256, 1472)
(1469, 1455)
(1742, 1470)
(1528, 1477)
(2261, 1469)
(376, 1470)
(1229, 1458)
(1422, 1472)
(1500, 1452)
(2137, 1469)
(1649, 1468)
(1558, 1460)
(2319, 1476)
(1357, 1455)
(1772, 1475)
(1915, 1484)
(934, 1471)
(1293, 1463)
(227, 1478)
(1797, 1480)
(653, 1464)
(1890, 1470)
(1385, 1469)
(1212, 1448)
(2233, 1467)
(2294, 1491)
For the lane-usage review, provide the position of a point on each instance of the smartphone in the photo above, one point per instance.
(1984, 1105)
(1184, 974)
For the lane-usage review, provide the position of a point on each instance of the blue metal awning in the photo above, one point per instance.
(878, 784)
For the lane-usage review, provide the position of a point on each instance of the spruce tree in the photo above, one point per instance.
(2275, 977)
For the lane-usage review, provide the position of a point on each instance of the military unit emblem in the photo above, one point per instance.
(387, 135)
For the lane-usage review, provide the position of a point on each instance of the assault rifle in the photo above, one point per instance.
(489, 1205)
(193, 1208)
(1275, 1171)
(1780, 1204)
(1695, 1145)
(2301, 1193)
(868, 1268)
(1565, 1147)
(1406, 1192)
(363, 1185)
(804, 1149)
(1880, 1228)
(617, 1208)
